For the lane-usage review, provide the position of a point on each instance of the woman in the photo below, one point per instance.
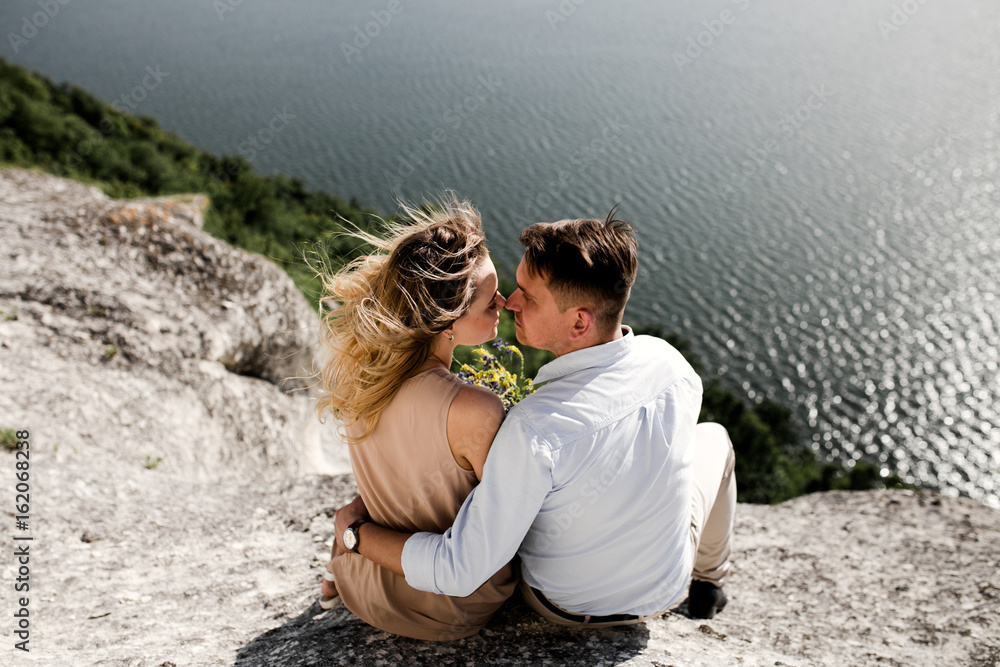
(418, 436)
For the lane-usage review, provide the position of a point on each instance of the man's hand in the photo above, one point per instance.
(346, 515)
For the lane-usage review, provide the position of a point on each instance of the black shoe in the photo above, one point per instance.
(705, 600)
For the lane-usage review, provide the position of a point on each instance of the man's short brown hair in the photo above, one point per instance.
(587, 262)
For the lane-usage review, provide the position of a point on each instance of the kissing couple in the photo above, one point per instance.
(598, 497)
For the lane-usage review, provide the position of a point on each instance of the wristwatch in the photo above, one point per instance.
(351, 538)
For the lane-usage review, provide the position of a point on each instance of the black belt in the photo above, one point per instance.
(577, 618)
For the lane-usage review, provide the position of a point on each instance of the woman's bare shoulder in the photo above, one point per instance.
(473, 421)
(477, 403)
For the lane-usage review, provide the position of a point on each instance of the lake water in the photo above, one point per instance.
(815, 188)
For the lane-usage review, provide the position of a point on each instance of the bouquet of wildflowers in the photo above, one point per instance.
(495, 376)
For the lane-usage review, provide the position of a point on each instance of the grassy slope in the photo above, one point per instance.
(66, 131)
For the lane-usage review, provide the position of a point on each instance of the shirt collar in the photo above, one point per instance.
(588, 357)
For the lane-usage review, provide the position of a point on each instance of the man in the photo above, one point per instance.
(599, 481)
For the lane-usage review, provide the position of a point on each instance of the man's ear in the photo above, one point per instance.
(583, 324)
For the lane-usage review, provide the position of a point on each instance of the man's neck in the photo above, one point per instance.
(590, 341)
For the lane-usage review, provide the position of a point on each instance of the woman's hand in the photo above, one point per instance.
(344, 517)
(382, 546)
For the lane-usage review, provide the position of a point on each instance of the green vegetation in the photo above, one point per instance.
(494, 371)
(68, 132)
(151, 463)
(110, 350)
(8, 439)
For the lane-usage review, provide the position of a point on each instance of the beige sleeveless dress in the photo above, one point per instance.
(410, 482)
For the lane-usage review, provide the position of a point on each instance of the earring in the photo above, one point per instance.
(451, 337)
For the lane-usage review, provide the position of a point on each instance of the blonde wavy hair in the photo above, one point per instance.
(388, 306)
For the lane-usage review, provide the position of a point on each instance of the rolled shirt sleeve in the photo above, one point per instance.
(491, 523)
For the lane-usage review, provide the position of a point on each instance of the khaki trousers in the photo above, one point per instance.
(713, 509)
(713, 503)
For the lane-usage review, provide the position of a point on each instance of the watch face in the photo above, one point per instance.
(350, 539)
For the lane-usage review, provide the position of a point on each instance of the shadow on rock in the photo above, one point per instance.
(515, 636)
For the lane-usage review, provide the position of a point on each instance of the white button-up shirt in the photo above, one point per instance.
(589, 480)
